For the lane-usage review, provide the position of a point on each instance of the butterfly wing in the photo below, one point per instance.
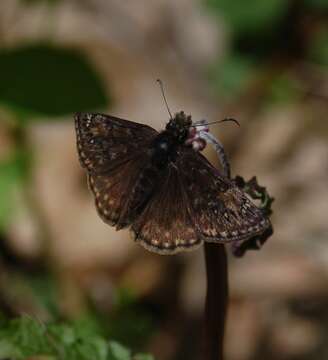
(221, 212)
(165, 225)
(113, 189)
(195, 203)
(105, 142)
(113, 151)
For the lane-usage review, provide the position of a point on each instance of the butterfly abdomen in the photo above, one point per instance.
(142, 188)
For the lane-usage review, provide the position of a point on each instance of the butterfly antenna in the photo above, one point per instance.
(220, 121)
(163, 93)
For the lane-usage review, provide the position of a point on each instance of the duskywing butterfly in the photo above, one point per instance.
(161, 186)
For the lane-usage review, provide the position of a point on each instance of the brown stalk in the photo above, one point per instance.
(216, 300)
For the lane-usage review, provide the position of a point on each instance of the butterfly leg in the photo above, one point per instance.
(208, 137)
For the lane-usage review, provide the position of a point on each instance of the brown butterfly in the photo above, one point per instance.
(161, 186)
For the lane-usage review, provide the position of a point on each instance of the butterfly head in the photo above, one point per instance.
(179, 126)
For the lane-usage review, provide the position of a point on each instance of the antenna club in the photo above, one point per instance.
(201, 123)
(232, 120)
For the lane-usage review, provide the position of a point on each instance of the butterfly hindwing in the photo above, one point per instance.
(165, 225)
(220, 210)
(195, 203)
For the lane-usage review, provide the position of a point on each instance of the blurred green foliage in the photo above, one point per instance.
(267, 34)
(43, 288)
(251, 17)
(317, 4)
(24, 337)
(253, 26)
(127, 322)
(40, 80)
(284, 89)
(232, 75)
(318, 52)
(49, 81)
(13, 173)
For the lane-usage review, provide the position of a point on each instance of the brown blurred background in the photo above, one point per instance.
(261, 62)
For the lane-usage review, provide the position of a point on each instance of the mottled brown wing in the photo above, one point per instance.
(113, 151)
(105, 142)
(221, 212)
(112, 190)
(165, 225)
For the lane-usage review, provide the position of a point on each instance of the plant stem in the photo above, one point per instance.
(216, 300)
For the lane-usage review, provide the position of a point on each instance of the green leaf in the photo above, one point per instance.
(86, 349)
(119, 352)
(62, 334)
(25, 337)
(71, 346)
(87, 326)
(45, 80)
(250, 16)
(8, 350)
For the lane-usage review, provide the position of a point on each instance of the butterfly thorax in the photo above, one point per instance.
(166, 144)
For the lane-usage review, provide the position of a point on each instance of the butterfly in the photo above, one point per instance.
(160, 186)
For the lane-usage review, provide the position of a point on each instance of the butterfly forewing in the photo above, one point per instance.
(112, 150)
(112, 189)
(105, 142)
